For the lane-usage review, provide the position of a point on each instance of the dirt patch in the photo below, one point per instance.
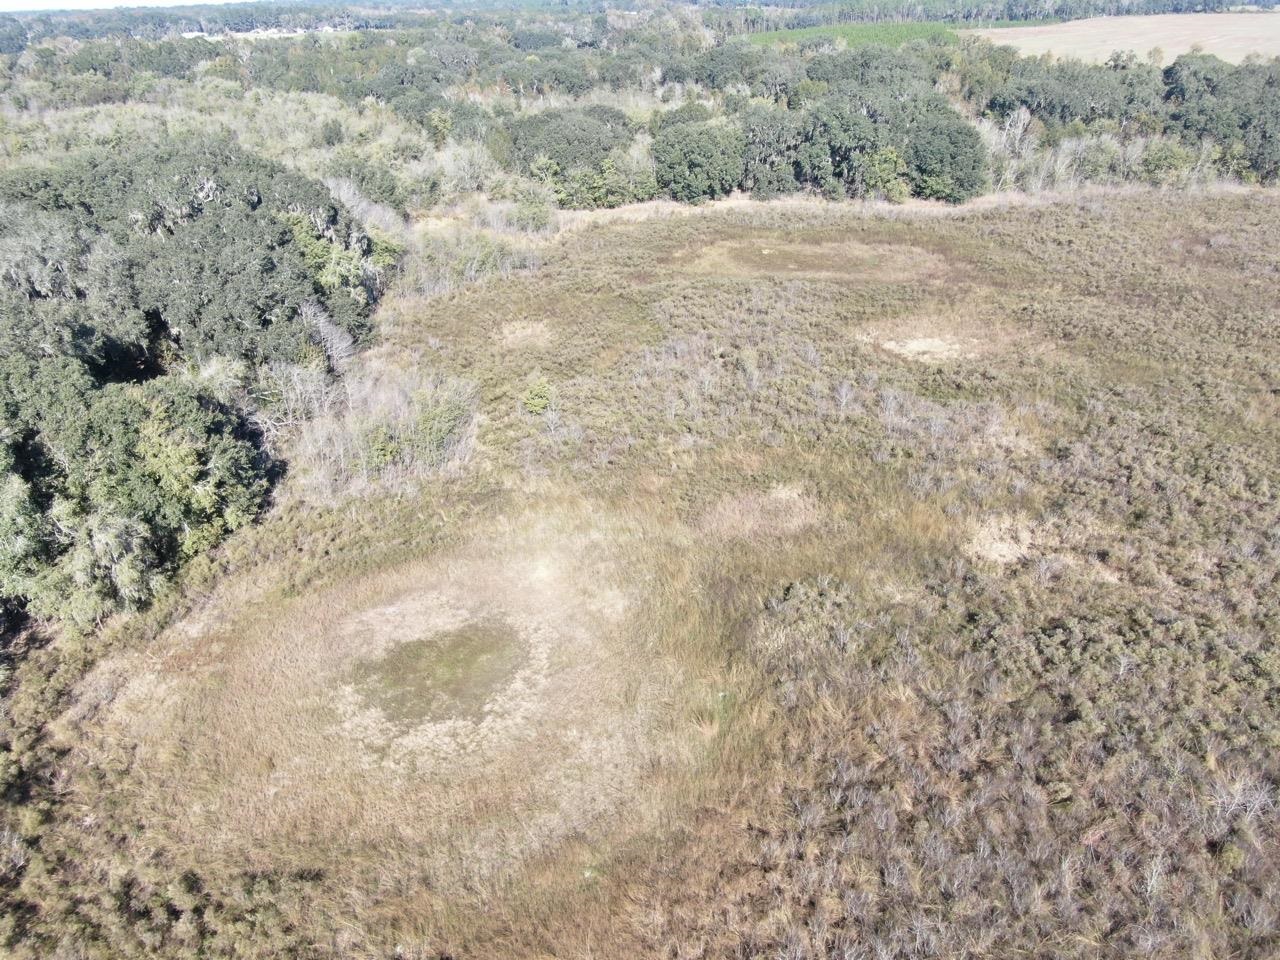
(780, 512)
(951, 332)
(928, 348)
(1001, 540)
(846, 260)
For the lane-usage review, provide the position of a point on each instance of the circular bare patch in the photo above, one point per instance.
(470, 711)
(1001, 540)
(525, 333)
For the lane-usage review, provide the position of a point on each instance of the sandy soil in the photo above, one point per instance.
(926, 348)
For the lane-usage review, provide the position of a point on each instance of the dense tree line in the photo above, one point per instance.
(724, 16)
(861, 122)
(122, 278)
(158, 23)
(1197, 98)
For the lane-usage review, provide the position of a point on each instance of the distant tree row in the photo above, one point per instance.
(852, 122)
(733, 19)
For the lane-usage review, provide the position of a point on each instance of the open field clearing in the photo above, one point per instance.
(817, 583)
(1231, 36)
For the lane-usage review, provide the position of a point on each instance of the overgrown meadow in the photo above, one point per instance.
(415, 549)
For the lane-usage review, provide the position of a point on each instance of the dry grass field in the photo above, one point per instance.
(820, 582)
(1231, 36)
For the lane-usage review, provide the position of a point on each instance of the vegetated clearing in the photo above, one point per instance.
(754, 636)
(1231, 36)
(488, 703)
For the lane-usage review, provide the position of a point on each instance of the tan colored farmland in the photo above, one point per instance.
(1231, 36)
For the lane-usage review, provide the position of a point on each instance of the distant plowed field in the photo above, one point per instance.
(1231, 36)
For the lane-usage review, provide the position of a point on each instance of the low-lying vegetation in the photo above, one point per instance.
(964, 652)
(410, 547)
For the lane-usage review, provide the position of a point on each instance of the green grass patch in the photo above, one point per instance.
(449, 675)
(860, 34)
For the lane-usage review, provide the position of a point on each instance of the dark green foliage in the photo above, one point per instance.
(1064, 91)
(202, 245)
(874, 66)
(837, 135)
(571, 139)
(1198, 97)
(535, 39)
(729, 64)
(116, 270)
(1211, 98)
(109, 488)
(880, 113)
(122, 60)
(332, 133)
(606, 187)
(946, 157)
(699, 161)
(692, 112)
(578, 154)
(13, 36)
(377, 182)
(772, 137)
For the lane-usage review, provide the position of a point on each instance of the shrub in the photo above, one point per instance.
(699, 161)
(946, 157)
(384, 425)
(885, 175)
(571, 139)
(1165, 163)
(332, 133)
(537, 399)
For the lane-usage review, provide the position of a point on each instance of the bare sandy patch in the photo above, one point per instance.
(928, 348)
(517, 334)
(782, 511)
(1000, 540)
(954, 332)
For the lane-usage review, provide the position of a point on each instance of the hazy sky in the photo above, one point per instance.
(9, 6)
